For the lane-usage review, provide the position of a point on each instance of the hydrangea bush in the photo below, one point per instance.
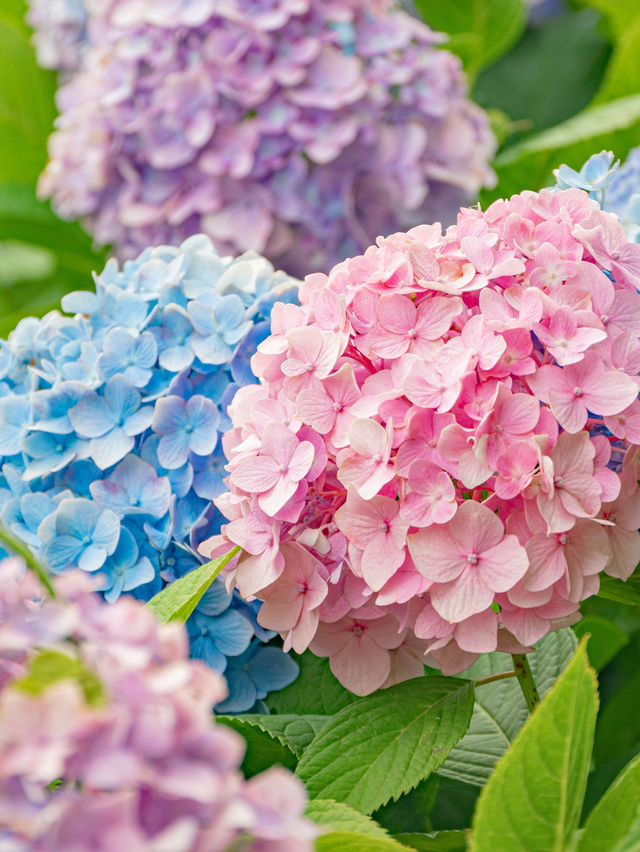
(301, 129)
(441, 455)
(108, 740)
(109, 427)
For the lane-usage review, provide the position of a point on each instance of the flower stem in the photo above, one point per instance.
(526, 681)
(18, 547)
(491, 679)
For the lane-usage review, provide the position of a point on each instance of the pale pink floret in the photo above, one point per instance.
(403, 327)
(325, 406)
(274, 474)
(367, 469)
(469, 560)
(564, 340)
(606, 240)
(432, 499)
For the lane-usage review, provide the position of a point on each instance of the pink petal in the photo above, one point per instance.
(476, 528)
(362, 666)
(436, 555)
(503, 565)
(256, 475)
(462, 598)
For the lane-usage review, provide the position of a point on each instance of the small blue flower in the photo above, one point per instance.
(130, 355)
(214, 638)
(133, 488)
(125, 569)
(185, 427)
(594, 176)
(253, 674)
(174, 337)
(50, 452)
(15, 414)
(219, 325)
(78, 533)
(111, 421)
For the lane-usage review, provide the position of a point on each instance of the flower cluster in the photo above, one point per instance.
(59, 33)
(107, 739)
(437, 457)
(299, 128)
(109, 434)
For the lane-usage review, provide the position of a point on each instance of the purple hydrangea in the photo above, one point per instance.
(109, 433)
(107, 740)
(59, 32)
(302, 129)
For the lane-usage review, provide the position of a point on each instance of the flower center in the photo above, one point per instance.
(577, 392)
(473, 559)
(558, 481)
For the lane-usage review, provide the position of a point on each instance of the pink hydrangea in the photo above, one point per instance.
(141, 761)
(298, 128)
(468, 410)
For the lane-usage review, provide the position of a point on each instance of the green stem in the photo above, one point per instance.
(491, 679)
(526, 681)
(18, 547)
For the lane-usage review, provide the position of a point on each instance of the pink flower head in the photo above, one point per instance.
(457, 415)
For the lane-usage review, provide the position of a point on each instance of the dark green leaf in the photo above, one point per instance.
(438, 841)
(617, 813)
(315, 692)
(337, 816)
(500, 710)
(606, 639)
(618, 12)
(479, 30)
(385, 744)
(263, 750)
(621, 591)
(533, 800)
(295, 732)
(177, 601)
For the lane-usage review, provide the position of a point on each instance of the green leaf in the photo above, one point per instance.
(551, 74)
(623, 71)
(532, 802)
(26, 106)
(177, 601)
(617, 813)
(479, 30)
(340, 817)
(315, 691)
(49, 667)
(294, 732)
(618, 12)
(529, 164)
(605, 639)
(621, 591)
(263, 750)
(438, 841)
(385, 744)
(500, 710)
(350, 841)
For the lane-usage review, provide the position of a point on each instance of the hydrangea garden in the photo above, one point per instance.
(319, 426)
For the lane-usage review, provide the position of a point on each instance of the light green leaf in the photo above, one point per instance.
(350, 841)
(618, 12)
(529, 164)
(177, 601)
(533, 800)
(49, 667)
(263, 750)
(622, 76)
(438, 841)
(340, 817)
(385, 744)
(500, 710)
(295, 732)
(605, 639)
(479, 30)
(315, 691)
(616, 814)
(621, 591)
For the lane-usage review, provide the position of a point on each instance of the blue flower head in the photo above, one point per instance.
(110, 425)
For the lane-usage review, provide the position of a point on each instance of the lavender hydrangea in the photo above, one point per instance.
(59, 32)
(109, 433)
(302, 129)
(107, 740)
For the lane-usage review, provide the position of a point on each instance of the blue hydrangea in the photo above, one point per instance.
(110, 424)
(616, 188)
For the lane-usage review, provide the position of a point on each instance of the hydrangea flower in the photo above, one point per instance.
(299, 129)
(441, 456)
(138, 760)
(110, 423)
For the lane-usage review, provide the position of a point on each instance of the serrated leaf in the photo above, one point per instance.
(295, 732)
(340, 817)
(529, 164)
(615, 815)
(479, 30)
(351, 841)
(263, 750)
(385, 744)
(316, 691)
(606, 639)
(533, 800)
(177, 601)
(500, 710)
(49, 667)
(621, 591)
(438, 841)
